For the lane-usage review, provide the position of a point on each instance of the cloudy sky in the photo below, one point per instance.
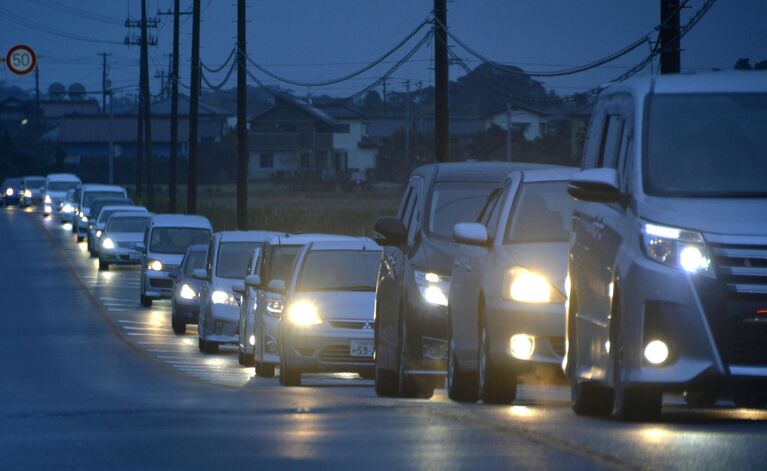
(321, 39)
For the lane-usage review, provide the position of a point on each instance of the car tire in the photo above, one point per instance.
(179, 327)
(267, 370)
(368, 375)
(245, 360)
(288, 376)
(586, 398)
(386, 380)
(209, 347)
(497, 383)
(103, 266)
(702, 399)
(146, 301)
(462, 386)
(200, 344)
(80, 238)
(410, 386)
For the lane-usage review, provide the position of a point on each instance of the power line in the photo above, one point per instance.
(223, 82)
(73, 11)
(214, 70)
(21, 21)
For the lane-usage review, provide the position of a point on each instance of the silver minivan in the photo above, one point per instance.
(668, 254)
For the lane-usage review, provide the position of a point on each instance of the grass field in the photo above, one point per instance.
(280, 209)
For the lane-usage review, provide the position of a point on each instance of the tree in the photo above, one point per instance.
(744, 63)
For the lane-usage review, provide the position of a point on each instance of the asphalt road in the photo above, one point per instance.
(89, 378)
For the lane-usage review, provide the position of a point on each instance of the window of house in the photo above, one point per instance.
(266, 160)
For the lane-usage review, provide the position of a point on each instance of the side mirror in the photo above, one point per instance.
(238, 288)
(277, 286)
(390, 231)
(253, 281)
(596, 185)
(200, 274)
(470, 233)
(141, 247)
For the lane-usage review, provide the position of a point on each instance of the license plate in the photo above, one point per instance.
(134, 256)
(361, 348)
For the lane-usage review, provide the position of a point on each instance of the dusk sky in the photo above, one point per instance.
(312, 39)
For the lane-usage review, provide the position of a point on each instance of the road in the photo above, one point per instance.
(91, 379)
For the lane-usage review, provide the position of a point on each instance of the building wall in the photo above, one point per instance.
(281, 161)
(357, 158)
(532, 123)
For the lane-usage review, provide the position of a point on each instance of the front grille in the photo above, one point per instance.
(733, 302)
(558, 345)
(340, 354)
(161, 283)
(352, 324)
(169, 267)
(127, 245)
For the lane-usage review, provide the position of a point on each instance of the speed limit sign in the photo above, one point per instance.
(21, 59)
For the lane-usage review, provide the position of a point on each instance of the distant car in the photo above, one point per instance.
(32, 189)
(228, 256)
(247, 309)
(100, 220)
(267, 290)
(414, 280)
(57, 185)
(121, 239)
(506, 308)
(668, 256)
(96, 207)
(89, 193)
(328, 322)
(186, 289)
(68, 207)
(166, 239)
(11, 191)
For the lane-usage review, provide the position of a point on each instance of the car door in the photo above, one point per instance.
(260, 300)
(206, 285)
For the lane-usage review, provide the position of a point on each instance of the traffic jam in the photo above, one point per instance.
(639, 274)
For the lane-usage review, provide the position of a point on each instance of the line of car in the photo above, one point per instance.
(643, 272)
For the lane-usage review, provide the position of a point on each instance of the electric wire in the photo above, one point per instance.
(22, 21)
(214, 70)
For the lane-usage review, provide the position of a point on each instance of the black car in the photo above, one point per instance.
(414, 277)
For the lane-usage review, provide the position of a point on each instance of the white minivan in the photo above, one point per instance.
(57, 185)
(668, 254)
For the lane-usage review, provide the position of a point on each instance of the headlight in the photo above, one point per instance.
(222, 297)
(67, 208)
(274, 307)
(186, 292)
(303, 314)
(154, 265)
(678, 248)
(27, 193)
(9, 192)
(108, 244)
(98, 233)
(47, 199)
(520, 284)
(83, 218)
(434, 288)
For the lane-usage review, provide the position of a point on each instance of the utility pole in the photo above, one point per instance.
(670, 44)
(242, 118)
(419, 109)
(104, 87)
(441, 117)
(147, 108)
(508, 131)
(37, 96)
(194, 97)
(140, 141)
(385, 110)
(408, 125)
(111, 137)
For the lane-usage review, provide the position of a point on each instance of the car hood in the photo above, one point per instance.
(340, 304)
(57, 195)
(438, 255)
(735, 216)
(545, 258)
(125, 236)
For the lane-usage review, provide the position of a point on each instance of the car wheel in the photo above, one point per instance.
(146, 301)
(587, 398)
(200, 344)
(245, 360)
(497, 384)
(210, 347)
(80, 238)
(386, 380)
(461, 385)
(700, 398)
(368, 375)
(179, 327)
(288, 376)
(103, 266)
(267, 370)
(409, 385)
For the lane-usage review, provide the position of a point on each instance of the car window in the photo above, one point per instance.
(127, 224)
(415, 218)
(339, 270)
(406, 207)
(106, 213)
(194, 261)
(281, 262)
(487, 210)
(541, 213)
(175, 240)
(608, 155)
(61, 185)
(454, 202)
(232, 261)
(90, 196)
(495, 215)
(35, 184)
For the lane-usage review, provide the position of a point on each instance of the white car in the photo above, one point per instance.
(57, 186)
(121, 239)
(88, 194)
(330, 303)
(166, 239)
(102, 218)
(32, 189)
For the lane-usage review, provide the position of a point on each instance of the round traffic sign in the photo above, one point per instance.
(21, 59)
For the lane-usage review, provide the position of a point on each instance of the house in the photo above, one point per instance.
(533, 123)
(54, 110)
(352, 143)
(384, 127)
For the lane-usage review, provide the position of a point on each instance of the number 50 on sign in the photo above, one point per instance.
(21, 59)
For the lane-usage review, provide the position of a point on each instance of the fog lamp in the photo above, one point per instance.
(656, 352)
(522, 346)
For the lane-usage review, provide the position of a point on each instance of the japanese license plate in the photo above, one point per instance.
(361, 348)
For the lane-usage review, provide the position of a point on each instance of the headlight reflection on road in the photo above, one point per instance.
(522, 412)
(654, 435)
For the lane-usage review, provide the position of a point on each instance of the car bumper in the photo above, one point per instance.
(158, 284)
(187, 310)
(427, 335)
(545, 323)
(221, 324)
(9, 200)
(120, 256)
(270, 338)
(325, 349)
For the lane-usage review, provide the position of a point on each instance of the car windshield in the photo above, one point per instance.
(11, 183)
(339, 270)
(175, 240)
(62, 185)
(34, 184)
(90, 196)
(454, 202)
(105, 213)
(282, 261)
(706, 145)
(541, 214)
(194, 261)
(233, 258)
(128, 224)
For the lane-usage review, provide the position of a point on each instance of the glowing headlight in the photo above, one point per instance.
(47, 209)
(434, 288)
(656, 352)
(47, 199)
(303, 314)
(522, 346)
(274, 307)
(108, 244)
(27, 194)
(222, 297)
(154, 265)
(98, 233)
(84, 218)
(252, 340)
(525, 286)
(186, 292)
(9, 192)
(67, 208)
(678, 248)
